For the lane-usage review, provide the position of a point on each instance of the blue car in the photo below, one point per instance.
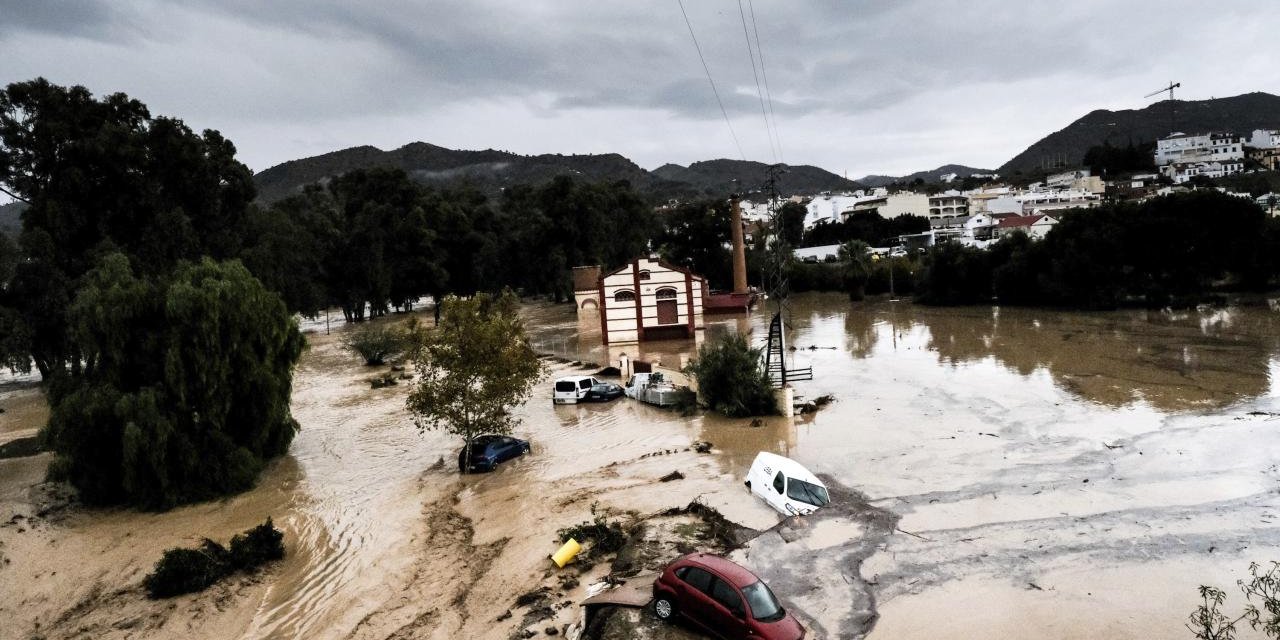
(603, 392)
(489, 450)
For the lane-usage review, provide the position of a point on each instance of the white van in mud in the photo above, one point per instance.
(785, 485)
(572, 390)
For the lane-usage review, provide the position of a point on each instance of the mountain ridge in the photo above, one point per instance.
(492, 170)
(1065, 148)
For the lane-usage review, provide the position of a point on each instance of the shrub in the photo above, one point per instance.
(257, 546)
(376, 342)
(182, 570)
(731, 378)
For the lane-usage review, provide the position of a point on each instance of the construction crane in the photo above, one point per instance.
(1170, 88)
(1172, 109)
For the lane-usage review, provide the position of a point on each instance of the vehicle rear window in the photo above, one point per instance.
(807, 492)
(763, 605)
(565, 385)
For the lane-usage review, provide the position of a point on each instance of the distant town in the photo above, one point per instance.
(980, 216)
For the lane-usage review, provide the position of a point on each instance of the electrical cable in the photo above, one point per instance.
(713, 82)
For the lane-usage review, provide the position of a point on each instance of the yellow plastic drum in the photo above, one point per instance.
(566, 553)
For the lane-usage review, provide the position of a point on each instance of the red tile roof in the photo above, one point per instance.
(1018, 222)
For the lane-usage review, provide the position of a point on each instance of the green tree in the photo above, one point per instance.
(855, 267)
(791, 215)
(474, 368)
(376, 342)
(185, 390)
(104, 175)
(697, 236)
(731, 378)
(286, 245)
(954, 274)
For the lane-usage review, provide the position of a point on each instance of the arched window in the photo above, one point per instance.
(624, 296)
(644, 274)
(590, 303)
(666, 293)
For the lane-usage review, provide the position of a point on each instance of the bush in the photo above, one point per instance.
(182, 570)
(376, 342)
(731, 378)
(257, 546)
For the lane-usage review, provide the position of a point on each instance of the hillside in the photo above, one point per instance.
(1066, 148)
(492, 170)
(932, 176)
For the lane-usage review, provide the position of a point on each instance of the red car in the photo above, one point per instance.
(723, 598)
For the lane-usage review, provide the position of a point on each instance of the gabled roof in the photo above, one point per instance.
(1015, 222)
(661, 263)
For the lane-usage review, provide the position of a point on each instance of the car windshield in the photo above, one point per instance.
(807, 492)
(763, 605)
(565, 385)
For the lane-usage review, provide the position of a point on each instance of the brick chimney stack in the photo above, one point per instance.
(739, 248)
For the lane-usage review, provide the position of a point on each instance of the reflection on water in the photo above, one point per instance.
(1173, 361)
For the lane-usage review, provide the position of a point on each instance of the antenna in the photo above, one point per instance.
(1172, 85)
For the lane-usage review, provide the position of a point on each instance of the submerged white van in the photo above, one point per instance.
(572, 390)
(785, 485)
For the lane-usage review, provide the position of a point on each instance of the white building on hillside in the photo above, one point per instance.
(1182, 157)
(895, 204)
(948, 209)
(1179, 148)
(1264, 139)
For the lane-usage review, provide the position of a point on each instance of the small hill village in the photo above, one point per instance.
(978, 217)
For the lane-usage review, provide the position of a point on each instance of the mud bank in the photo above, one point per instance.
(384, 539)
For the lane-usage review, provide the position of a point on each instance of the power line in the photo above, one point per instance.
(768, 95)
(759, 92)
(713, 82)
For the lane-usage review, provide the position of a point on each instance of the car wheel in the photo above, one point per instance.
(664, 608)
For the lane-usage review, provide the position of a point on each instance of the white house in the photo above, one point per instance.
(948, 209)
(1183, 171)
(646, 299)
(1264, 139)
(1181, 148)
(1035, 226)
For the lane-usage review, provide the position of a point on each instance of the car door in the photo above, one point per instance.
(728, 610)
(584, 388)
(694, 599)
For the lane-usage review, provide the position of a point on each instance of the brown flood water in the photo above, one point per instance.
(977, 427)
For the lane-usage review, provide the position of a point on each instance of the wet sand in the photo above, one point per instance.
(973, 429)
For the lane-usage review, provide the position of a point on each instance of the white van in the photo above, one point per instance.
(785, 485)
(572, 389)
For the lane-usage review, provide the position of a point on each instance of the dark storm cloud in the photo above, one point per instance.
(918, 81)
(79, 18)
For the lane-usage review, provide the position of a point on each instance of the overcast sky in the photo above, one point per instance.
(857, 87)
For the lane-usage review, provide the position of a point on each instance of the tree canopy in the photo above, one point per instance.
(101, 176)
(474, 368)
(184, 393)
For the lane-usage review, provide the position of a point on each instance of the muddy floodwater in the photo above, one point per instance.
(1003, 473)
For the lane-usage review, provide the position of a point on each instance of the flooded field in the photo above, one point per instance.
(1016, 473)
